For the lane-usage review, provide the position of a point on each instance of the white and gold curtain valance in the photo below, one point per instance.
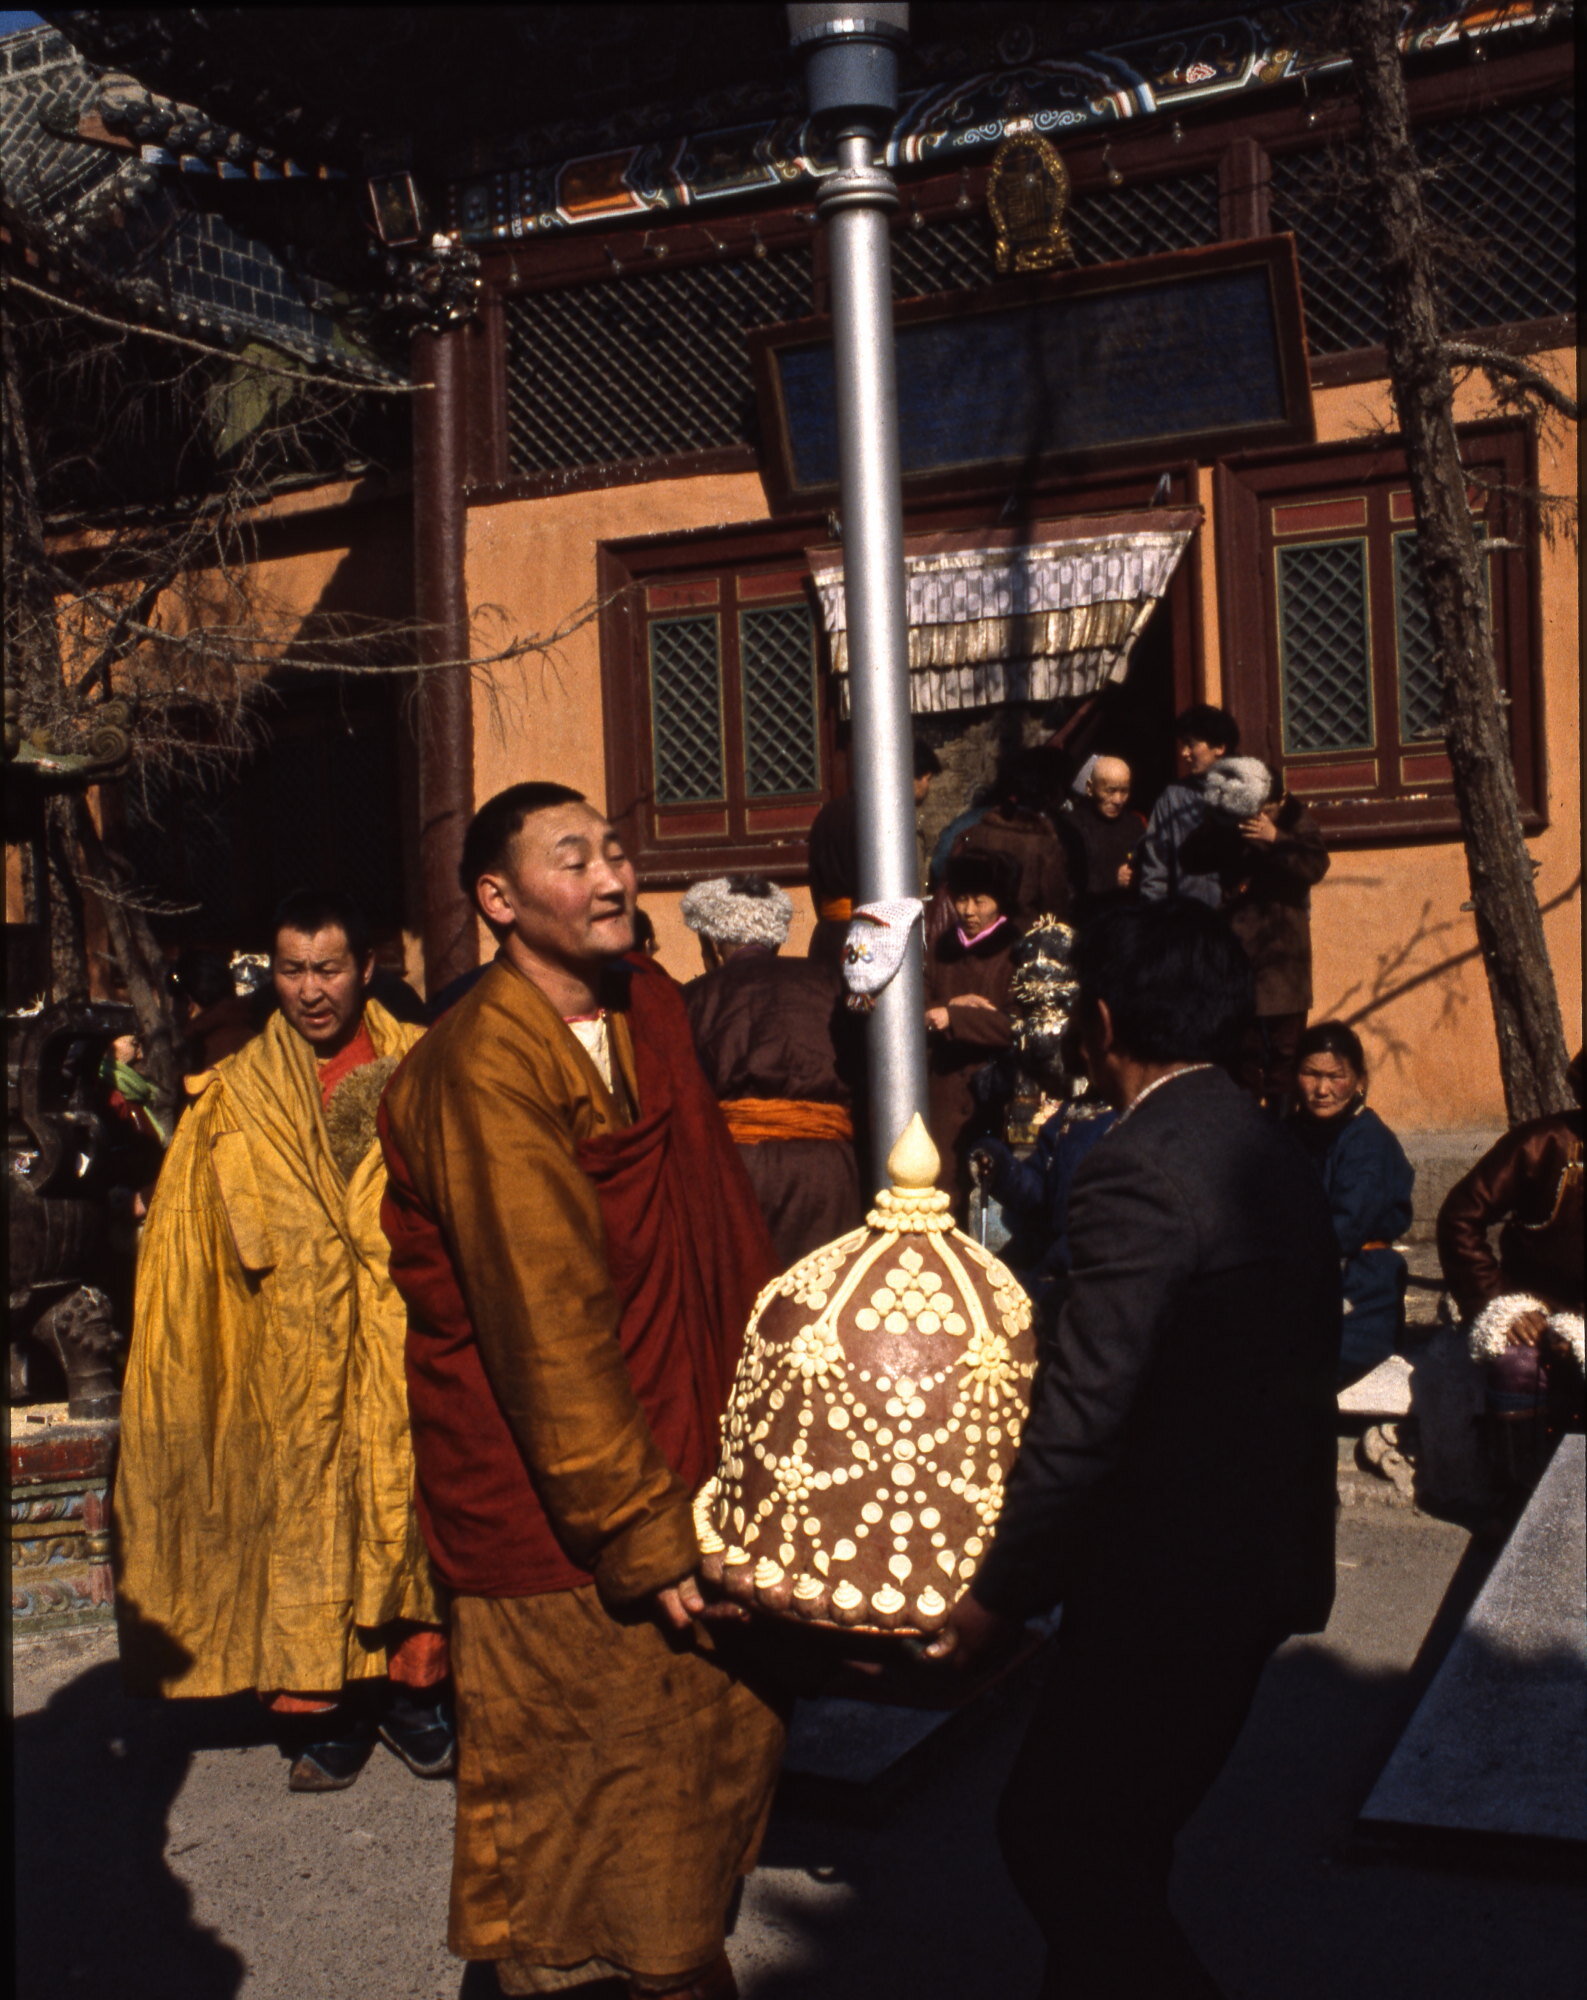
(1034, 621)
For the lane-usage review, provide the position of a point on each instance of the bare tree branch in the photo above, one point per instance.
(1495, 361)
(11, 283)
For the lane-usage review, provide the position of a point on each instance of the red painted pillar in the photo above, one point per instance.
(445, 705)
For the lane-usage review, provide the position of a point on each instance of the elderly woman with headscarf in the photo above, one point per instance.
(779, 1050)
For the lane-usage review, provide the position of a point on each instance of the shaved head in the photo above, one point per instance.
(1108, 787)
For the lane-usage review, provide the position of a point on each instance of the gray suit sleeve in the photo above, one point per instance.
(1132, 1247)
(1152, 856)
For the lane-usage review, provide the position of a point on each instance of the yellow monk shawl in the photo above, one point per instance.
(264, 1500)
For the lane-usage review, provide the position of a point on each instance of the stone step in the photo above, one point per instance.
(1497, 1748)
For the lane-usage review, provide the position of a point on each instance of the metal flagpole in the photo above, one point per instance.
(852, 75)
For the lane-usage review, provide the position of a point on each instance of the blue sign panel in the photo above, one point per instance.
(1162, 363)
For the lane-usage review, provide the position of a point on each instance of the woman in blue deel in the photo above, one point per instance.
(1369, 1182)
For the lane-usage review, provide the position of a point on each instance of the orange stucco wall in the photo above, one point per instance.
(1395, 953)
(534, 560)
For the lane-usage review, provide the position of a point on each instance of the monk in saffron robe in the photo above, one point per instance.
(264, 1502)
(580, 1251)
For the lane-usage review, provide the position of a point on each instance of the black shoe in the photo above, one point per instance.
(333, 1761)
(422, 1733)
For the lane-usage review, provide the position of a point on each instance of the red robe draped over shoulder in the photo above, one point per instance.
(577, 1286)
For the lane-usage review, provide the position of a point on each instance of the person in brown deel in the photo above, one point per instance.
(768, 1032)
(1019, 828)
(579, 1248)
(968, 971)
(1263, 846)
(214, 1018)
(835, 861)
(1101, 831)
(1523, 1306)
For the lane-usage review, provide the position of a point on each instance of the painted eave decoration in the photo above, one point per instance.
(952, 124)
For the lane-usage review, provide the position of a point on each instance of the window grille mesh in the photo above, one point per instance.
(1145, 217)
(1106, 226)
(686, 710)
(1421, 690)
(645, 365)
(1421, 684)
(950, 256)
(776, 650)
(1502, 186)
(1327, 661)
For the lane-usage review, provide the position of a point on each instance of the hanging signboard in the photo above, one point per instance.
(1190, 355)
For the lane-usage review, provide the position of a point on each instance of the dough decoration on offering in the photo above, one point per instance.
(876, 1412)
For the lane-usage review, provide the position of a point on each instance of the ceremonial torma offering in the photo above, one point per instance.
(876, 1412)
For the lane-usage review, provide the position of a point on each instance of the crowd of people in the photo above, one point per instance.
(437, 1309)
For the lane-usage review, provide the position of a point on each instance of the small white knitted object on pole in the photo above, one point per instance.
(874, 949)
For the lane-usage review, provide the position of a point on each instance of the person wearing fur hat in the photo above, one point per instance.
(1278, 858)
(968, 972)
(780, 1051)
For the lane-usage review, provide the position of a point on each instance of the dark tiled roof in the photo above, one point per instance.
(106, 223)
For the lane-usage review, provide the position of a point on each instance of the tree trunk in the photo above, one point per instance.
(142, 965)
(33, 673)
(62, 902)
(1526, 1015)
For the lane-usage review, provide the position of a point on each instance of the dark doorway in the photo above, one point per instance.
(1134, 718)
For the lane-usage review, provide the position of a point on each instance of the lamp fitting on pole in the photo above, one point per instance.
(851, 62)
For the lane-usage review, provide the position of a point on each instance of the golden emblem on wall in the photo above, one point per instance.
(1027, 194)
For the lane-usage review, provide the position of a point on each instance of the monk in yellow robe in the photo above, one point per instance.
(580, 1249)
(264, 1500)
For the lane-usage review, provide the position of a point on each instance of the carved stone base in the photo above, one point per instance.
(61, 1473)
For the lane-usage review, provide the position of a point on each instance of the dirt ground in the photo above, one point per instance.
(160, 1856)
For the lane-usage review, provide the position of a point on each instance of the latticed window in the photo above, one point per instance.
(1335, 674)
(1503, 184)
(1421, 683)
(1324, 650)
(1325, 643)
(644, 366)
(1106, 225)
(721, 761)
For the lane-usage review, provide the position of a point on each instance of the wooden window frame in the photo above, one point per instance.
(626, 569)
(674, 845)
(1407, 794)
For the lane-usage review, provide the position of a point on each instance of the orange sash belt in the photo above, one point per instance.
(836, 910)
(1375, 1246)
(753, 1120)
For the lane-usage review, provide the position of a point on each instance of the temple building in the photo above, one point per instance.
(602, 223)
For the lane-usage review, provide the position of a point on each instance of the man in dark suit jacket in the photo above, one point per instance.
(1175, 1486)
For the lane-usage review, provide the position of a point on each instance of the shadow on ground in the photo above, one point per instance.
(100, 1916)
(1268, 1883)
